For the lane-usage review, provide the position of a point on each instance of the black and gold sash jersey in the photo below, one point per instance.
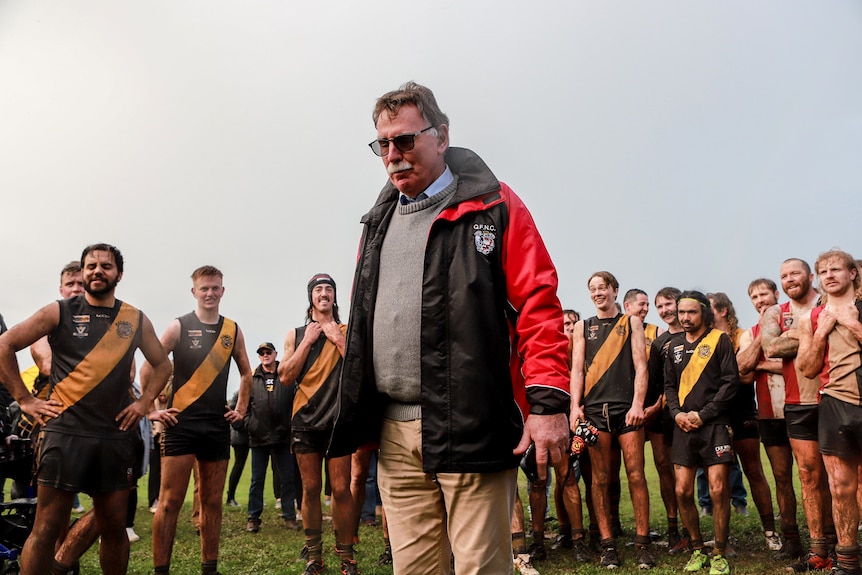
(316, 399)
(655, 366)
(92, 349)
(608, 363)
(701, 376)
(201, 367)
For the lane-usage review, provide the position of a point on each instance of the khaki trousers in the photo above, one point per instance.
(431, 514)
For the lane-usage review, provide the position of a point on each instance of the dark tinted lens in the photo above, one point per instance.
(404, 142)
(380, 147)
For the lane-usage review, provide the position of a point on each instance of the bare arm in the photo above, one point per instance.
(749, 352)
(773, 341)
(240, 356)
(635, 415)
(333, 333)
(40, 351)
(812, 345)
(294, 357)
(20, 336)
(576, 387)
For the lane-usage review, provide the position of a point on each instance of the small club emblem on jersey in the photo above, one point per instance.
(788, 321)
(704, 351)
(124, 329)
(81, 330)
(485, 238)
(226, 341)
(196, 344)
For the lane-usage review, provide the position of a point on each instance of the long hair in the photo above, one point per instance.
(723, 303)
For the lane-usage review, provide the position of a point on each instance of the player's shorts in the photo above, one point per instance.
(664, 425)
(90, 465)
(709, 445)
(311, 441)
(801, 421)
(746, 429)
(610, 418)
(840, 428)
(773, 432)
(204, 446)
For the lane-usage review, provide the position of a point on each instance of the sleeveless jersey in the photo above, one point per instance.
(92, 352)
(316, 399)
(841, 375)
(744, 406)
(610, 370)
(201, 365)
(798, 389)
(650, 334)
(768, 387)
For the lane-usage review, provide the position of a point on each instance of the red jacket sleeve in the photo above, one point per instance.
(531, 287)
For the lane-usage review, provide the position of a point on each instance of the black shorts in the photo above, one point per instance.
(610, 418)
(773, 432)
(709, 445)
(663, 425)
(747, 429)
(205, 447)
(801, 421)
(90, 465)
(840, 428)
(311, 441)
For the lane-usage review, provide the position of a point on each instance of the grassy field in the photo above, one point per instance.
(275, 551)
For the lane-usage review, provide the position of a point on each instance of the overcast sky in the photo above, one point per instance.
(695, 144)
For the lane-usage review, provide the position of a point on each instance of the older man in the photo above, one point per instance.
(455, 357)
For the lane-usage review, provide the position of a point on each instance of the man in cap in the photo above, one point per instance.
(268, 424)
(313, 356)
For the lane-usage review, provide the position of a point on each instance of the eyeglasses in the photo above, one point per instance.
(403, 142)
(265, 352)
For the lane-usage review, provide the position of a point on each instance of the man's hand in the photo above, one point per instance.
(313, 331)
(826, 322)
(39, 409)
(232, 415)
(695, 420)
(166, 416)
(331, 331)
(550, 433)
(130, 416)
(684, 422)
(635, 416)
(651, 412)
(576, 415)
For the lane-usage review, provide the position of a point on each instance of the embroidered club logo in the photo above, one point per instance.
(704, 351)
(81, 330)
(485, 241)
(677, 353)
(226, 341)
(124, 329)
(593, 333)
(787, 321)
(196, 344)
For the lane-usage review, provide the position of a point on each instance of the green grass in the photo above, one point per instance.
(274, 550)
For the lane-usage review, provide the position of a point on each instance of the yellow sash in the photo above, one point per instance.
(608, 352)
(697, 363)
(209, 368)
(101, 360)
(650, 333)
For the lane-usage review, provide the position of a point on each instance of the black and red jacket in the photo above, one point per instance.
(492, 342)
